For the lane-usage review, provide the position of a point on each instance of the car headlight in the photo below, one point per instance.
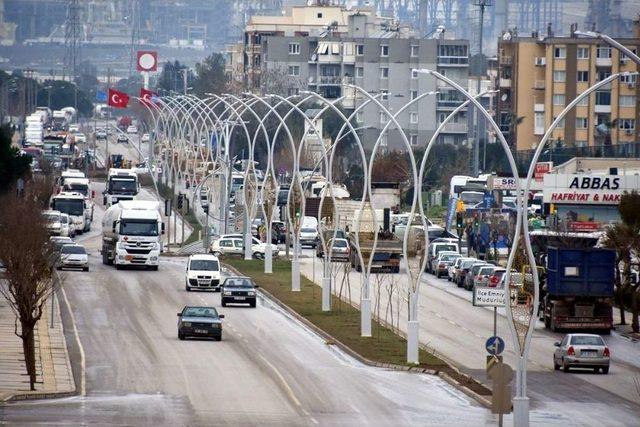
(215, 325)
(251, 293)
(187, 324)
(155, 246)
(227, 292)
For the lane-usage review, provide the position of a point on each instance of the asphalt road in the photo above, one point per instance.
(458, 331)
(267, 370)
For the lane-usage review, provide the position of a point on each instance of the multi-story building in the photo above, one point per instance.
(539, 76)
(374, 54)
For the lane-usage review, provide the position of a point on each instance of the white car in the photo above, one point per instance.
(308, 236)
(81, 138)
(146, 137)
(203, 272)
(132, 129)
(73, 256)
(67, 228)
(74, 127)
(227, 246)
(54, 222)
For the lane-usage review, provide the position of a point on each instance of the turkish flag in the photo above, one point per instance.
(146, 97)
(118, 99)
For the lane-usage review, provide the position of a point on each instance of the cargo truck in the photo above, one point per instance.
(579, 289)
(132, 234)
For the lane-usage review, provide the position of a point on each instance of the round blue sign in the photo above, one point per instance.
(494, 346)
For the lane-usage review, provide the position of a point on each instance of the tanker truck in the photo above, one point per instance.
(132, 234)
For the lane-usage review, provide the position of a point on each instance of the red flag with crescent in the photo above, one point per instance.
(147, 96)
(118, 99)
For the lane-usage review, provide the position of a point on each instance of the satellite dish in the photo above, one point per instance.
(504, 97)
(310, 79)
(314, 57)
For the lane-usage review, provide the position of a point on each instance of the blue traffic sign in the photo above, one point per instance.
(494, 345)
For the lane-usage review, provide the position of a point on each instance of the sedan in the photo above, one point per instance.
(73, 256)
(442, 263)
(122, 139)
(200, 322)
(582, 351)
(238, 290)
(339, 252)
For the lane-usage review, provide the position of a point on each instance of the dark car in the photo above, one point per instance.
(238, 290)
(122, 139)
(200, 322)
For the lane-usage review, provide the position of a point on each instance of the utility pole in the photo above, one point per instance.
(476, 117)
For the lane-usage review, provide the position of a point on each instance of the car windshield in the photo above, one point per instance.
(586, 340)
(499, 273)
(64, 218)
(78, 188)
(69, 206)
(485, 270)
(237, 282)
(450, 257)
(52, 217)
(308, 230)
(204, 265)
(139, 228)
(73, 249)
(441, 248)
(340, 244)
(471, 197)
(200, 312)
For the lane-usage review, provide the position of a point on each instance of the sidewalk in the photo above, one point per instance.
(53, 368)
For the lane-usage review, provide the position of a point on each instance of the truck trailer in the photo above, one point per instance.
(579, 289)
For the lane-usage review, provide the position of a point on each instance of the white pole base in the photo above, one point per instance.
(413, 342)
(365, 317)
(295, 275)
(326, 294)
(268, 260)
(521, 412)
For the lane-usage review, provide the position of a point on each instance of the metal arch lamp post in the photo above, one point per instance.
(414, 276)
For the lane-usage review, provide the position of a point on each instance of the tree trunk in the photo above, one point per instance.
(28, 348)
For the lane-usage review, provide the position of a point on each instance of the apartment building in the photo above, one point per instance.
(540, 75)
(374, 54)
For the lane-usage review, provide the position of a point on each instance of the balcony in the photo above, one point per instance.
(453, 61)
(505, 83)
(538, 130)
(448, 105)
(538, 108)
(603, 62)
(455, 128)
(602, 108)
(330, 81)
(506, 60)
(539, 84)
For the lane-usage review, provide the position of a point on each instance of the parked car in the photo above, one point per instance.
(67, 228)
(435, 248)
(74, 127)
(146, 137)
(101, 134)
(461, 273)
(73, 256)
(453, 268)
(81, 138)
(203, 272)
(340, 251)
(472, 273)
(482, 278)
(54, 222)
(238, 290)
(582, 351)
(439, 265)
(200, 322)
(496, 277)
(228, 246)
(122, 139)
(132, 129)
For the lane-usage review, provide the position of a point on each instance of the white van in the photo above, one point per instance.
(203, 272)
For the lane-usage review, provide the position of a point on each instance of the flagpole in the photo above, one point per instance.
(106, 129)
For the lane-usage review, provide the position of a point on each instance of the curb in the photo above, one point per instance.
(330, 340)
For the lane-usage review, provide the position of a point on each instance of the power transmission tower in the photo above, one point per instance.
(134, 19)
(72, 40)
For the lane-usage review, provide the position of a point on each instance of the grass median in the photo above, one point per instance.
(343, 323)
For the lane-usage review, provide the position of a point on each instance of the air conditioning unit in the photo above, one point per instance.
(540, 61)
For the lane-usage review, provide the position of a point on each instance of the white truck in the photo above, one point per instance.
(80, 185)
(132, 234)
(122, 184)
(75, 205)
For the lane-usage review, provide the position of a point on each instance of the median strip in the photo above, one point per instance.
(341, 326)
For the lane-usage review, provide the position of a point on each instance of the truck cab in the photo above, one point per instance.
(81, 185)
(122, 184)
(74, 205)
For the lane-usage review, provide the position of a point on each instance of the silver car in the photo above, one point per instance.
(582, 351)
(73, 256)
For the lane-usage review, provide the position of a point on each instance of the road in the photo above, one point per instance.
(458, 331)
(267, 370)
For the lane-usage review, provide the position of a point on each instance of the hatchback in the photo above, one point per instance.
(582, 351)
(482, 278)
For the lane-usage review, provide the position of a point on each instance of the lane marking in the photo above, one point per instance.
(78, 342)
(288, 389)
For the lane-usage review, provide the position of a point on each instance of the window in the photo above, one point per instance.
(384, 72)
(413, 139)
(359, 71)
(582, 123)
(359, 49)
(582, 53)
(294, 70)
(558, 99)
(603, 73)
(293, 91)
(628, 78)
(583, 76)
(414, 51)
(414, 74)
(624, 57)
(294, 48)
(383, 140)
(385, 94)
(442, 117)
(383, 117)
(603, 52)
(360, 116)
(560, 52)
(413, 94)
(627, 101)
(627, 124)
(559, 76)
(539, 120)
(584, 102)
(603, 97)
(413, 117)
(319, 15)
(560, 123)
(384, 50)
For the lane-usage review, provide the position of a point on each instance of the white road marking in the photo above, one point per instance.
(81, 349)
(288, 389)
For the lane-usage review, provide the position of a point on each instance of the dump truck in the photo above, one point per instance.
(579, 289)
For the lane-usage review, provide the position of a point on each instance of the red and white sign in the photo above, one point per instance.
(584, 226)
(118, 99)
(542, 168)
(147, 60)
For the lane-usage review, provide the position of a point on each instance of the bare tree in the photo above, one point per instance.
(27, 255)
